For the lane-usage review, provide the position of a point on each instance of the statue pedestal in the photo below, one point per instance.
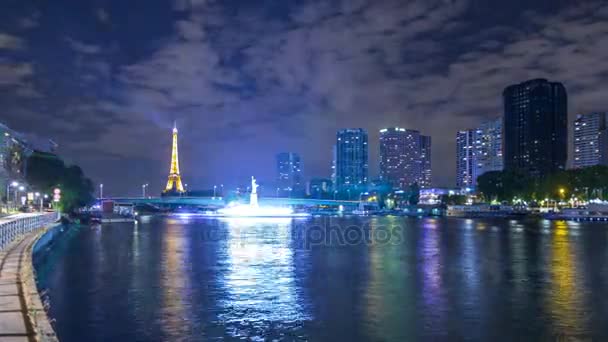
(253, 200)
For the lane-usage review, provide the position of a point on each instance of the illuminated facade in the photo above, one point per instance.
(405, 157)
(289, 173)
(590, 140)
(488, 148)
(351, 158)
(174, 184)
(400, 157)
(478, 151)
(14, 151)
(426, 176)
(465, 163)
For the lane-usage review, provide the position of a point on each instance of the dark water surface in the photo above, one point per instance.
(376, 279)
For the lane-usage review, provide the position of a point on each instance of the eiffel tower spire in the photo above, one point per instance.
(174, 184)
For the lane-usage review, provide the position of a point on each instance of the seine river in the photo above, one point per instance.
(330, 279)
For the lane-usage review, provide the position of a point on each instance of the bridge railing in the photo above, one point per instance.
(11, 228)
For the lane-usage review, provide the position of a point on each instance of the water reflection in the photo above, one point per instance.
(434, 301)
(565, 300)
(445, 279)
(175, 282)
(389, 305)
(260, 280)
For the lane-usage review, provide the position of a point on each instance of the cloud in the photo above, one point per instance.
(102, 15)
(83, 48)
(338, 64)
(10, 42)
(14, 74)
(244, 81)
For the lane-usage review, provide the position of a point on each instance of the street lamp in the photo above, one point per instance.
(8, 192)
(20, 188)
(101, 191)
(222, 190)
(37, 194)
(214, 189)
(143, 190)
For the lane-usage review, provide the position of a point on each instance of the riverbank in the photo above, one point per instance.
(22, 314)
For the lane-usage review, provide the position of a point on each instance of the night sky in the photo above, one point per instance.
(246, 79)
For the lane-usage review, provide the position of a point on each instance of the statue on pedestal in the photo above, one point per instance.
(253, 198)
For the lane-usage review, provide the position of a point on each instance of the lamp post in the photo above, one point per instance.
(46, 197)
(21, 188)
(37, 195)
(221, 190)
(143, 190)
(8, 193)
(101, 191)
(214, 190)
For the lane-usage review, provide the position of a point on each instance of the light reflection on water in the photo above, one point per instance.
(260, 280)
(439, 279)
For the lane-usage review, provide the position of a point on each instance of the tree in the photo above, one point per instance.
(585, 183)
(46, 172)
(504, 185)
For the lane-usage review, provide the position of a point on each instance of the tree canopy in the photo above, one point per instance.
(586, 184)
(46, 172)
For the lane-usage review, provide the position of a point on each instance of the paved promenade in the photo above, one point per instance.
(22, 316)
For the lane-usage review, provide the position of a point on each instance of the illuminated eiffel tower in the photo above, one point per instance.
(174, 184)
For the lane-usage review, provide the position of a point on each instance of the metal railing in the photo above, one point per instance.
(13, 228)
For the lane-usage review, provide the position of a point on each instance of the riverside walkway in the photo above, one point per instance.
(22, 315)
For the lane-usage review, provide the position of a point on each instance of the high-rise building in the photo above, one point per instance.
(479, 151)
(289, 173)
(488, 148)
(333, 164)
(14, 152)
(425, 160)
(535, 127)
(465, 162)
(590, 140)
(405, 157)
(351, 158)
(399, 156)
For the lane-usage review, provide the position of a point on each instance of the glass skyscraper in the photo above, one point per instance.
(465, 163)
(426, 176)
(351, 158)
(478, 151)
(289, 171)
(535, 127)
(590, 140)
(488, 147)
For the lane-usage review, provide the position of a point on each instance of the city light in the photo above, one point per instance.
(248, 211)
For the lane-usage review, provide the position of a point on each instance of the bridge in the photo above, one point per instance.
(220, 202)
